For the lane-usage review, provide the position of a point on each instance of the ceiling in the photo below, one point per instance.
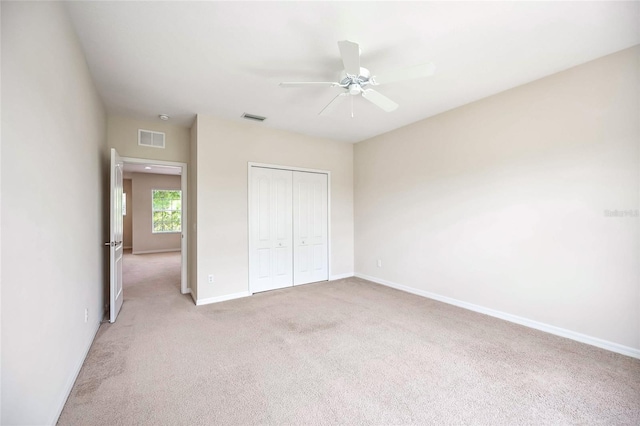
(227, 58)
(151, 168)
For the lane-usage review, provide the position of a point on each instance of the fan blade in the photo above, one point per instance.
(334, 103)
(379, 100)
(308, 83)
(350, 53)
(411, 73)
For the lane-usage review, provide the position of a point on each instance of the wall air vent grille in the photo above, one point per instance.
(253, 117)
(150, 138)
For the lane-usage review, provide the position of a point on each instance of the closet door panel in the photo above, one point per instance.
(260, 230)
(270, 232)
(282, 224)
(310, 227)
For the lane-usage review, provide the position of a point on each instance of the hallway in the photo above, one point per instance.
(150, 275)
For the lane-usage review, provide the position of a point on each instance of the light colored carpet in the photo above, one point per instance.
(344, 352)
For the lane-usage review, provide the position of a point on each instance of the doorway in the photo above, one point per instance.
(155, 216)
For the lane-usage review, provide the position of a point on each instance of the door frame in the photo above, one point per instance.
(251, 164)
(184, 283)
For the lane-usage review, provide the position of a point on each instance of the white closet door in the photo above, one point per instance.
(271, 250)
(310, 228)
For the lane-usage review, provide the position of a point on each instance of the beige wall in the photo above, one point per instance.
(501, 203)
(192, 201)
(122, 134)
(53, 175)
(127, 230)
(223, 150)
(144, 240)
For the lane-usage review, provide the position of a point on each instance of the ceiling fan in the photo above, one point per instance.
(355, 80)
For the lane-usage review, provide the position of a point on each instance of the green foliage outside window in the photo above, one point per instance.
(167, 210)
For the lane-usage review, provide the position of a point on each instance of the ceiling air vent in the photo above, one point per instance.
(253, 117)
(150, 138)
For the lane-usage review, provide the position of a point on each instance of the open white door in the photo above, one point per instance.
(115, 233)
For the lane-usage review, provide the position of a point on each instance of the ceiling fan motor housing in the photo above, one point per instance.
(355, 83)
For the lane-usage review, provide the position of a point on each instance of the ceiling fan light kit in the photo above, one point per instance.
(354, 80)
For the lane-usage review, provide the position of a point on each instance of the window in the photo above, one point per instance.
(166, 210)
(124, 204)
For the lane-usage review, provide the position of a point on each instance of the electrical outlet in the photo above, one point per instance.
(210, 278)
(86, 315)
(379, 263)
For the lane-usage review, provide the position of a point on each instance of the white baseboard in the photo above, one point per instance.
(583, 338)
(127, 247)
(156, 251)
(72, 379)
(341, 276)
(186, 292)
(222, 298)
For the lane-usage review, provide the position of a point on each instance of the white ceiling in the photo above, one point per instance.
(151, 168)
(226, 58)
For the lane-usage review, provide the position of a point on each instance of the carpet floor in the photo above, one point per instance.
(344, 352)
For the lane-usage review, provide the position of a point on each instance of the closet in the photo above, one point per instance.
(288, 228)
